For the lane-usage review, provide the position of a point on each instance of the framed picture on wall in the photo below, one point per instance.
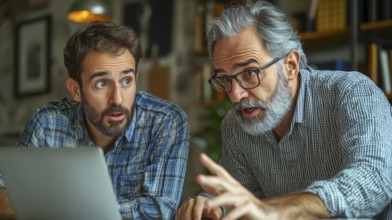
(32, 56)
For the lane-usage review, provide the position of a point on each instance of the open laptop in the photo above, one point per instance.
(58, 183)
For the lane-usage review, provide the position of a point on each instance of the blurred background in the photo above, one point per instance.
(336, 34)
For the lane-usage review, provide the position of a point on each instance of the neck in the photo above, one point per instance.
(103, 141)
(284, 126)
(106, 143)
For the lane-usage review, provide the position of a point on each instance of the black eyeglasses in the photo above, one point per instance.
(248, 79)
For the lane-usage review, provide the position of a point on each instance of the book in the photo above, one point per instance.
(386, 9)
(372, 62)
(372, 10)
(385, 70)
(311, 21)
(331, 15)
(380, 64)
(200, 43)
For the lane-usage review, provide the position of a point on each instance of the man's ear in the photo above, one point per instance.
(292, 64)
(74, 89)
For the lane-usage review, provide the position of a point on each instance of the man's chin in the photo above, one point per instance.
(113, 129)
(253, 125)
(114, 132)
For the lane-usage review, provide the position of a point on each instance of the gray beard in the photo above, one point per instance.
(274, 110)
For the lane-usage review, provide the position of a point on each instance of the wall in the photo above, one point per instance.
(14, 112)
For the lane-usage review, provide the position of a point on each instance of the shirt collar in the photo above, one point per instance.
(135, 118)
(132, 125)
(300, 105)
(80, 126)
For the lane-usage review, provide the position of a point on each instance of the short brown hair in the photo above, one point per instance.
(99, 36)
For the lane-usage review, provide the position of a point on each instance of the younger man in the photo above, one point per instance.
(145, 139)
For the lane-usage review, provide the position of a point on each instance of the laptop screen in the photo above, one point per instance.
(58, 183)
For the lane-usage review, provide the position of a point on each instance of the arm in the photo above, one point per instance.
(243, 204)
(363, 187)
(6, 211)
(164, 174)
(34, 132)
(361, 121)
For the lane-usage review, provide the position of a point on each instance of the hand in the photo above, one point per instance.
(244, 205)
(231, 194)
(195, 209)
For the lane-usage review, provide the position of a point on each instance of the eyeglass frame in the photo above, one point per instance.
(275, 60)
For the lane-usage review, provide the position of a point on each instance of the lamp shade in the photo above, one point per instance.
(85, 11)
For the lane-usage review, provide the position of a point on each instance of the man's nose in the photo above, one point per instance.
(117, 96)
(237, 93)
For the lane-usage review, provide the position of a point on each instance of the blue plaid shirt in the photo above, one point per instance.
(339, 147)
(147, 165)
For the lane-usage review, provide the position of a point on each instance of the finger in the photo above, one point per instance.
(198, 208)
(208, 163)
(179, 214)
(231, 201)
(187, 210)
(215, 168)
(248, 209)
(236, 213)
(213, 213)
(217, 185)
(227, 200)
(214, 185)
(184, 212)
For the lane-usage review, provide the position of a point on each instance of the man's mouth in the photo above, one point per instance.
(251, 112)
(248, 110)
(116, 116)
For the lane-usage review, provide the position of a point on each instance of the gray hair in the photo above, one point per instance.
(273, 27)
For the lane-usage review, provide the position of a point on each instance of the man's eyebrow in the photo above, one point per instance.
(103, 73)
(98, 74)
(236, 65)
(130, 70)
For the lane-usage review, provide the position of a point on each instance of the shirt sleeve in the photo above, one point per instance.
(364, 186)
(33, 133)
(164, 176)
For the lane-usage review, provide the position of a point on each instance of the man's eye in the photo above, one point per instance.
(250, 73)
(100, 84)
(226, 79)
(126, 82)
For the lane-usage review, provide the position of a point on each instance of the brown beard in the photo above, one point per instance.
(114, 129)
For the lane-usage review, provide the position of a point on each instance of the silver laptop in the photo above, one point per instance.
(58, 183)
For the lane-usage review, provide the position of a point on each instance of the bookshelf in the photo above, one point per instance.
(377, 26)
(356, 36)
(362, 38)
(325, 39)
(380, 63)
